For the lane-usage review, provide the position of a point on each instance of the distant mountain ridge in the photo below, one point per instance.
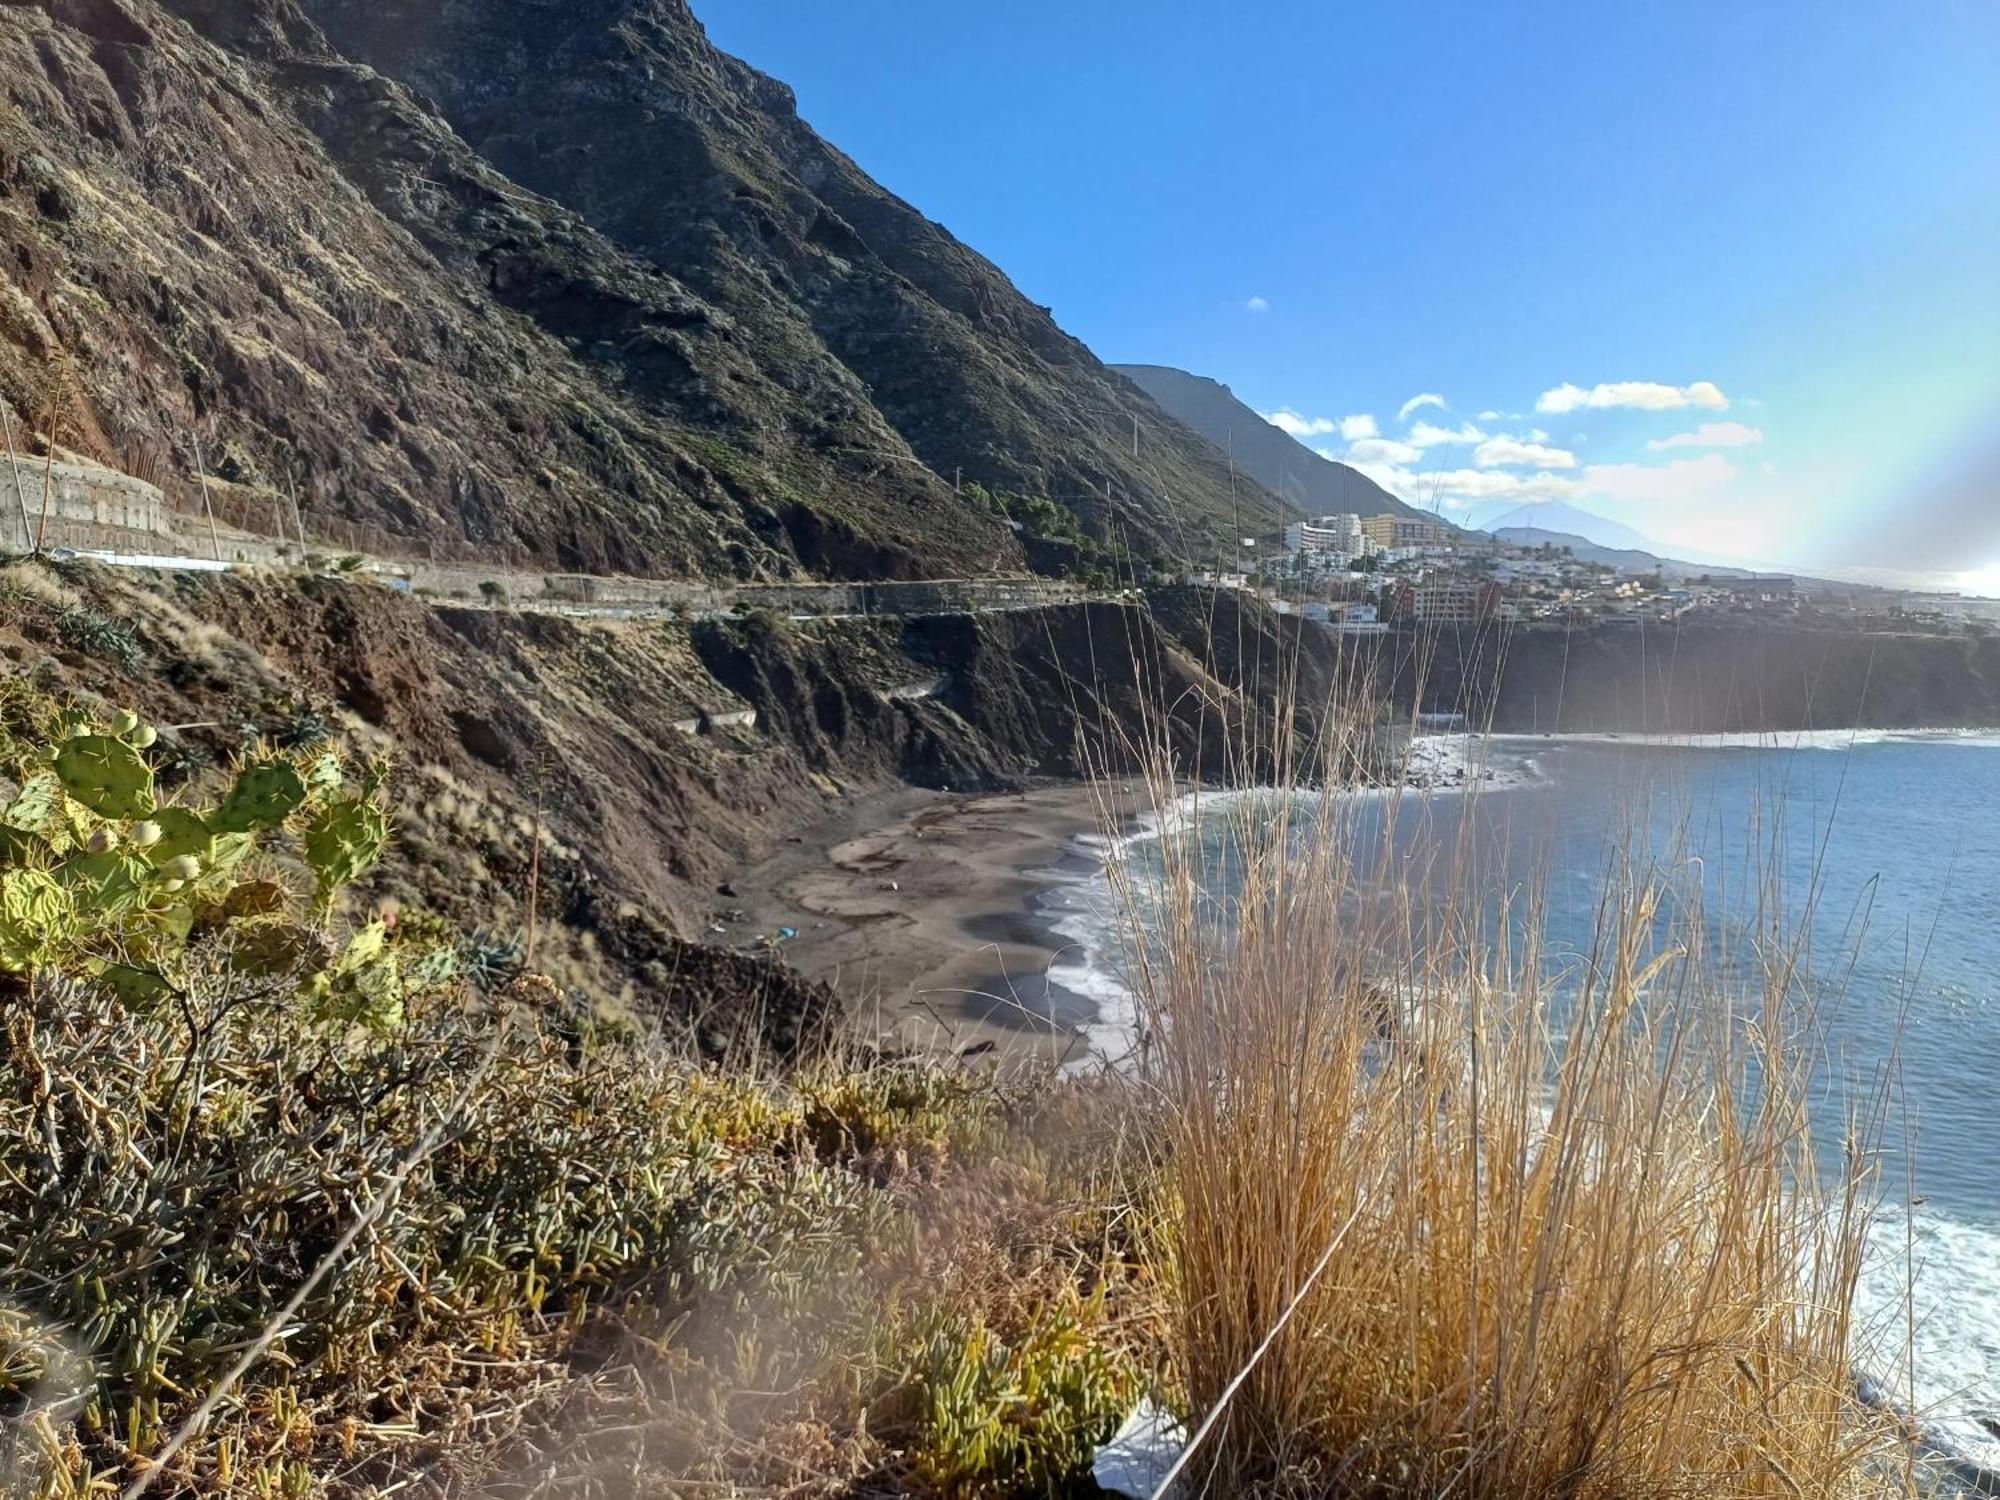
(1571, 520)
(1626, 559)
(1272, 457)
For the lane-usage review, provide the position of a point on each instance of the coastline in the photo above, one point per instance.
(924, 910)
(935, 915)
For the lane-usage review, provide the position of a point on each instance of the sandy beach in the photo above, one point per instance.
(919, 907)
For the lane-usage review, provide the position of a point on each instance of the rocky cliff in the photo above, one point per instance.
(552, 283)
(1698, 679)
(658, 757)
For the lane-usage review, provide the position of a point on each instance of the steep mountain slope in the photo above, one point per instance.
(1263, 453)
(623, 111)
(219, 225)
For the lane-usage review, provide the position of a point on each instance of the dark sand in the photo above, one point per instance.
(920, 908)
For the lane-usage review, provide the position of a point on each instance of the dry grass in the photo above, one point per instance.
(1521, 1233)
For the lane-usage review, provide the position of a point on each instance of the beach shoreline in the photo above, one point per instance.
(924, 910)
(931, 913)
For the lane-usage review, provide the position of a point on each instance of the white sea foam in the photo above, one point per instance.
(1766, 739)
(1928, 1325)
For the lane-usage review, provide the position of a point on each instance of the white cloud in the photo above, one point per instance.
(1381, 450)
(1426, 435)
(1508, 452)
(1462, 489)
(1641, 395)
(1352, 428)
(1257, 305)
(1489, 416)
(1711, 435)
(1426, 399)
(1683, 479)
(1290, 421)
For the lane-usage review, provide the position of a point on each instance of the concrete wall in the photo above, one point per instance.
(87, 506)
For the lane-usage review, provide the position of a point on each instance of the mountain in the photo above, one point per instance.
(623, 112)
(1625, 559)
(556, 284)
(1571, 521)
(1269, 455)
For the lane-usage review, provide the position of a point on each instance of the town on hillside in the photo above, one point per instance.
(1365, 575)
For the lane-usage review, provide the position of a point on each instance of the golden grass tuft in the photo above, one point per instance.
(1462, 1222)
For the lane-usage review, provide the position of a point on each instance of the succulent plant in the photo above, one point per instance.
(263, 797)
(344, 839)
(103, 879)
(106, 775)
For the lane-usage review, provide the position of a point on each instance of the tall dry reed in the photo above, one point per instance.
(1524, 1229)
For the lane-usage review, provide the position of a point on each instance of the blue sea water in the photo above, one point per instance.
(1881, 853)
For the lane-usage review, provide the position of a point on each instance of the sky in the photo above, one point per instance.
(1728, 274)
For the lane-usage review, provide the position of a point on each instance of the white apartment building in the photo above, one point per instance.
(1333, 536)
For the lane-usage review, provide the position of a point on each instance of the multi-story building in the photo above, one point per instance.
(1394, 533)
(1337, 536)
(1444, 599)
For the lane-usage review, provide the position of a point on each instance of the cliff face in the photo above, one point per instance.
(659, 758)
(1702, 679)
(217, 224)
(645, 321)
(623, 111)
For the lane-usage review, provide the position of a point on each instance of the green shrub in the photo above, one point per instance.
(96, 635)
(206, 1078)
(103, 882)
(1019, 1419)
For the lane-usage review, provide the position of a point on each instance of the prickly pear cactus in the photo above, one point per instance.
(106, 775)
(102, 884)
(38, 807)
(344, 839)
(36, 917)
(262, 798)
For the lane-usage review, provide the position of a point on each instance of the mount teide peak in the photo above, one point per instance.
(547, 283)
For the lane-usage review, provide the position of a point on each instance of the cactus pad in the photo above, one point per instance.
(181, 832)
(38, 807)
(106, 775)
(344, 840)
(36, 916)
(263, 797)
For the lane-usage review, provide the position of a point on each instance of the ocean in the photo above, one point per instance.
(1883, 849)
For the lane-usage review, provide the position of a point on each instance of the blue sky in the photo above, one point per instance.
(1738, 266)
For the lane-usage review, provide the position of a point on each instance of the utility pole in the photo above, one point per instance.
(49, 467)
(20, 491)
(1135, 434)
(298, 521)
(200, 468)
(535, 857)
